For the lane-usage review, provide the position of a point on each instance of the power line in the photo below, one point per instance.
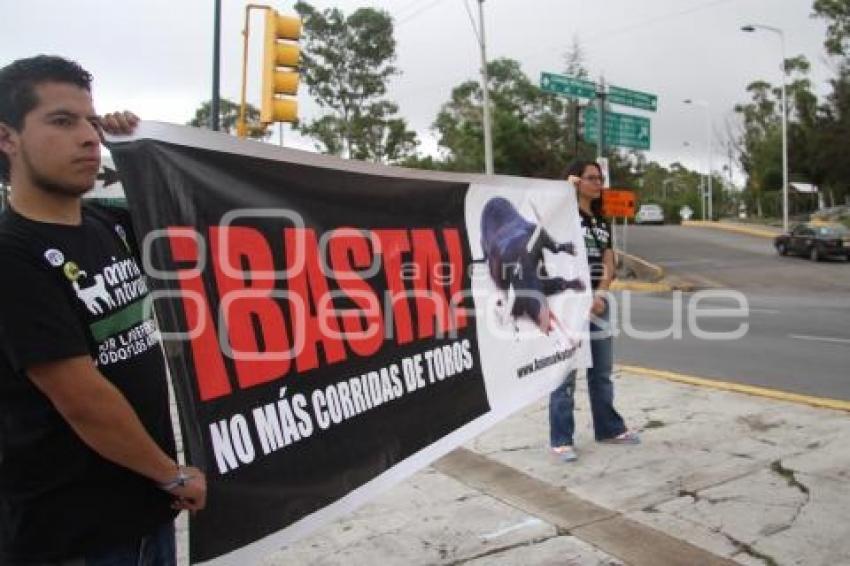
(607, 34)
(432, 87)
(472, 21)
(655, 20)
(417, 12)
(406, 7)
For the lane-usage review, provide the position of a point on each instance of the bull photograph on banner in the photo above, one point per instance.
(332, 326)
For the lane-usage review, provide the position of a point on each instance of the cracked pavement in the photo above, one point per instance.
(721, 475)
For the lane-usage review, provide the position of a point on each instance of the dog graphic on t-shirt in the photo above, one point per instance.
(92, 295)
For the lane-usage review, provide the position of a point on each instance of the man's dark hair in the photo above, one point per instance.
(577, 168)
(17, 89)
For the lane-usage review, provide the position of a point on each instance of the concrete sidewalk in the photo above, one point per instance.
(721, 477)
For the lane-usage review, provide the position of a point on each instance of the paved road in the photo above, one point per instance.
(716, 258)
(797, 313)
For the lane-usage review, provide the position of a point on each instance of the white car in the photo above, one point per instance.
(649, 214)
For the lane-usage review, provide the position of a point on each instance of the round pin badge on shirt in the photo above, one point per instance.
(54, 257)
(72, 271)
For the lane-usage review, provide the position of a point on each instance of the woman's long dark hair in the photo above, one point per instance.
(577, 168)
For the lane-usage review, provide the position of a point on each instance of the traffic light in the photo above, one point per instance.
(280, 49)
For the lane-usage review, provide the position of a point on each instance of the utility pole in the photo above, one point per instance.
(216, 102)
(488, 134)
(709, 194)
(576, 108)
(600, 98)
(732, 191)
(710, 151)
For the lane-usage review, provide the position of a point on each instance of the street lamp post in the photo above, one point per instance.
(781, 34)
(700, 188)
(703, 104)
(488, 134)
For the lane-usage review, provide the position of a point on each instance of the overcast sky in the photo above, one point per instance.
(154, 56)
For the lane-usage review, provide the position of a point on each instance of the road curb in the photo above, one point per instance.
(730, 227)
(819, 402)
(610, 531)
(641, 286)
(651, 277)
(643, 269)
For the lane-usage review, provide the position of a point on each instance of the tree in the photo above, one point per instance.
(228, 117)
(574, 60)
(346, 63)
(531, 130)
(574, 66)
(530, 136)
(529, 133)
(625, 168)
(760, 144)
(673, 188)
(833, 123)
(832, 158)
(837, 12)
(761, 141)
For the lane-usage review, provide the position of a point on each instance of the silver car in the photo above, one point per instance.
(649, 214)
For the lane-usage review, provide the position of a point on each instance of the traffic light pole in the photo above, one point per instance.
(216, 101)
(600, 98)
(241, 126)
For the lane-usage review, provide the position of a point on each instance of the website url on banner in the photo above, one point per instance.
(545, 362)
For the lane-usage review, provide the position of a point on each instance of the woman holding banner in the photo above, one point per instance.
(608, 425)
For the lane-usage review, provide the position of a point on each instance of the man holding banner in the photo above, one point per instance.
(87, 457)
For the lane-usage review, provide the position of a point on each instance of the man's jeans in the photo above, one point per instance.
(156, 549)
(607, 422)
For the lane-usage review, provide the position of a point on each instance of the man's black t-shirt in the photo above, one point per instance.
(68, 291)
(597, 239)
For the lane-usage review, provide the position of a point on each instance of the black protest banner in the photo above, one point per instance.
(318, 320)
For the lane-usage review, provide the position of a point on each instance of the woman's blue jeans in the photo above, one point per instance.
(607, 422)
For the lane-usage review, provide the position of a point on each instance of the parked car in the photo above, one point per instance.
(815, 240)
(649, 214)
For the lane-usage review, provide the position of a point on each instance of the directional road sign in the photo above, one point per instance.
(633, 98)
(567, 86)
(623, 130)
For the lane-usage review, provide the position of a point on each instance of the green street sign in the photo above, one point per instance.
(622, 130)
(567, 86)
(633, 98)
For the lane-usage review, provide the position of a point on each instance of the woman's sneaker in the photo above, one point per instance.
(628, 437)
(565, 453)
